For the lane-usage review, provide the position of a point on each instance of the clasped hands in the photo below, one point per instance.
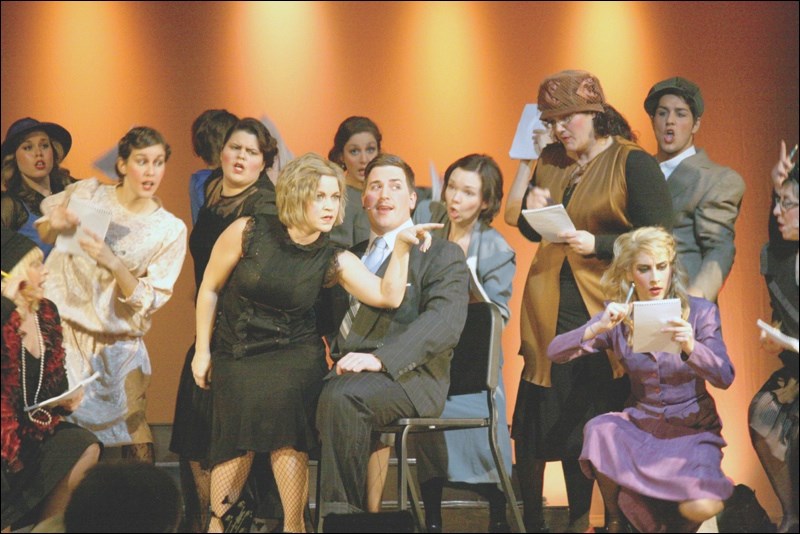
(357, 362)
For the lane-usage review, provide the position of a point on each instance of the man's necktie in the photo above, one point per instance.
(372, 261)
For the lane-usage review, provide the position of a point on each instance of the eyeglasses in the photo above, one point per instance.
(786, 205)
(559, 122)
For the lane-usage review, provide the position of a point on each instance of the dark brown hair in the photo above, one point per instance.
(390, 160)
(611, 122)
(491, 182)
(208, 131)
(347, 129)
(267, 144)
(137, 138)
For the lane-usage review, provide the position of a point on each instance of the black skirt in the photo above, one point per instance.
(45, 464)
(550, 420)
(191, 426)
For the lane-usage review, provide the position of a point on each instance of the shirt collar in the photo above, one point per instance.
(390, 236)
(669, 166)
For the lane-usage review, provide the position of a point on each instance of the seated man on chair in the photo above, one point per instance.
(393, 363)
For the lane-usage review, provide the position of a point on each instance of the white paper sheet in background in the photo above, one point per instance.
(522, 146)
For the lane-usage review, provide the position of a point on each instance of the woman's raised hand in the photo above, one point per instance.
(614, 313)
(781, 169)
(63, 220)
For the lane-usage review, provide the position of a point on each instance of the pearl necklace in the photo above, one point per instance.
(39, 416)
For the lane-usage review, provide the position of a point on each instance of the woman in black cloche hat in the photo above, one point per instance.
(31, 153)
(43, 456)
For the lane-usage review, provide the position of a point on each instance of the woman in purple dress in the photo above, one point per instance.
(658, 462)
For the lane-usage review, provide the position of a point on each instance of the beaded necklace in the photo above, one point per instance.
(39, 416)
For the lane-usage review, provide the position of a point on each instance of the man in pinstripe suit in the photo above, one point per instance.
(394, 363)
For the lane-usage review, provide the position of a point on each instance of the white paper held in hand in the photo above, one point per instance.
(787, 342)
(70, 393)
(550, 221)
(92, 217)
(522, 147)
(649, 317)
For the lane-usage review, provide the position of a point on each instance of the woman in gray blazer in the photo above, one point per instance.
(473, 190)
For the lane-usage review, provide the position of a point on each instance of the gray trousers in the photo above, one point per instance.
(350, 407)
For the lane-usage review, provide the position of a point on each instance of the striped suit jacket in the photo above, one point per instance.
(415, 341)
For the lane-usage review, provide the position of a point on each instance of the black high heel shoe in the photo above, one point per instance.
(614, 525)
(536, 526)
(499, 526)
(433, 526)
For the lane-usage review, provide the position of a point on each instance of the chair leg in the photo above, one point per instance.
(318, 492)
(415, 500)
(505, 480)
(406, 482)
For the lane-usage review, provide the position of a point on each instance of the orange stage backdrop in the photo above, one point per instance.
(442, 80)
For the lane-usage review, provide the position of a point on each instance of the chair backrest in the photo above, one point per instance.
(476, 359)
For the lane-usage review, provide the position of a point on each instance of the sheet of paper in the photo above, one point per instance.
(549, 221)
(436, 182)
(476, 291)
(649, 317)
(91, 216)
(787, 342)
(522, 146)
(70, 393)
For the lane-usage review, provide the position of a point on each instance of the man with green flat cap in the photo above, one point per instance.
(705, 196)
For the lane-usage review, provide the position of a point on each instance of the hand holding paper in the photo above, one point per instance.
(650, 320)
(549, 222)
(92, 217)
(580, 241)
(68, 398)
(523, 147)
(682, 333)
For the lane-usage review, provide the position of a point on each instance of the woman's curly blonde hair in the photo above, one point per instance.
(651, 240)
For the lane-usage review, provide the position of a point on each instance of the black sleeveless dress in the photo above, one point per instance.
(191, 430)
(268, 358)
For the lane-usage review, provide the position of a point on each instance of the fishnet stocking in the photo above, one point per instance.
(199, 487)
(227, 482)
(141, 452)
(290, 468)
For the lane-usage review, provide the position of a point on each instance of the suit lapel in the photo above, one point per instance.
(687, 173)
(367, 316)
